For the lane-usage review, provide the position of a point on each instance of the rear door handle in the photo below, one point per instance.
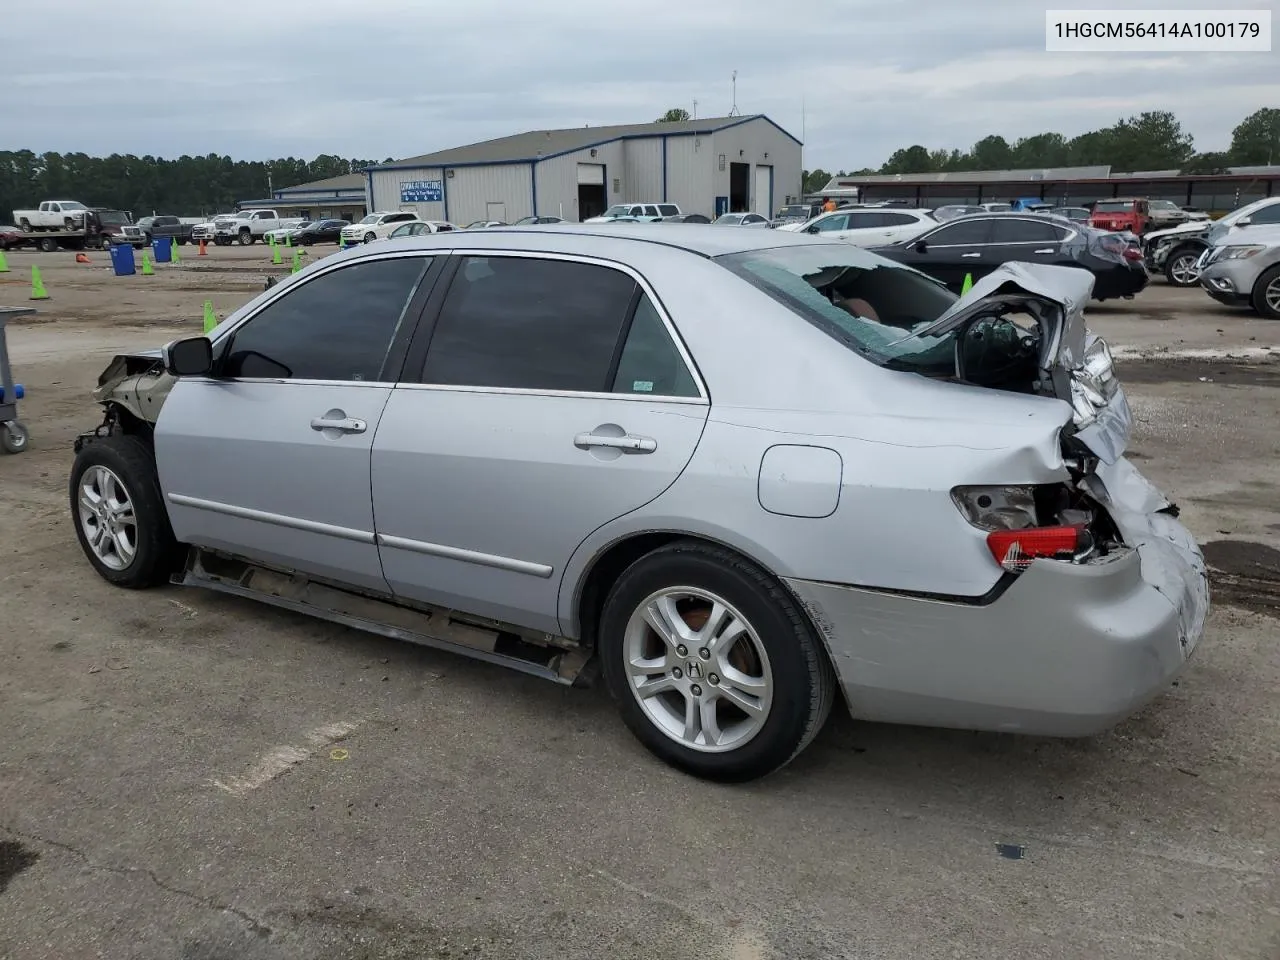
(967, 255)
(344, 425)
(633, 444)
(1047, 250)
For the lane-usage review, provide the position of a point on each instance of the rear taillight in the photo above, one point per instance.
(1129, 253)
(1015, 550)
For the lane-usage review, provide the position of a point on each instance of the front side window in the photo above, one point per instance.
(831, 224)
(338, 326)
(529, 323)
(1269, 214)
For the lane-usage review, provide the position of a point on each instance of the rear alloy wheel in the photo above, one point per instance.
(1266, 294)
(1180, 268)
(712, 664)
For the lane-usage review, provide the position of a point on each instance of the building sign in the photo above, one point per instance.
(421, 191)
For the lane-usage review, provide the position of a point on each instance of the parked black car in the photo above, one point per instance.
(320, 231)
(153, 227)
(686, 218)
(976, 245)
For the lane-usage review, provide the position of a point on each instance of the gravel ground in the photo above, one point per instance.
(188, 775)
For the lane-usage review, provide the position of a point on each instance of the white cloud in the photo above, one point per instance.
(402, 77)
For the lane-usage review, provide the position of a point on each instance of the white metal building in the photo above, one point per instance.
(341, 198)
(711, 166)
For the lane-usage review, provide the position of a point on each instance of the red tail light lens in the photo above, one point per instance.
(1015, 549)
(1130, 253)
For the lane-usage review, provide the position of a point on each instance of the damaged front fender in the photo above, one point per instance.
(136, 383)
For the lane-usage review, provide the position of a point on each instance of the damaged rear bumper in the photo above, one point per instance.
(1065, 650)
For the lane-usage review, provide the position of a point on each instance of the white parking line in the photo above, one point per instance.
(281, 759)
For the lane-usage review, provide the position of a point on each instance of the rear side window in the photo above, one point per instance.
(668, 209)
(338, 326)
(529, 323)
(650, 362)
(898, 219)
(865, 221)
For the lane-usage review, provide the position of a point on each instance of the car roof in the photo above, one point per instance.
(698, 238)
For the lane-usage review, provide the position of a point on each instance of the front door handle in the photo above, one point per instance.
(1046, 250)
(628, 443)
(342, 425)
(968, 255)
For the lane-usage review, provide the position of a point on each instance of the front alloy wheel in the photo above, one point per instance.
(1266, 295)
(107, 519)
(1180, 269)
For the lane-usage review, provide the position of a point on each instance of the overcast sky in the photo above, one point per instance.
(379, 78)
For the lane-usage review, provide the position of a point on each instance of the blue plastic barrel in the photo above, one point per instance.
(162, 249)
(18, 392)
(122, 259)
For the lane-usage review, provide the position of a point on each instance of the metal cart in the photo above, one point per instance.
(13, 434)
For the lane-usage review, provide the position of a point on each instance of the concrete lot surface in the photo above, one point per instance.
(187, 775)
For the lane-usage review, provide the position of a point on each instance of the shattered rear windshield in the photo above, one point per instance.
(869, 304)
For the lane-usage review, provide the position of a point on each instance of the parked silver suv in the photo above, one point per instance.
(743, 471)
(1243, 270)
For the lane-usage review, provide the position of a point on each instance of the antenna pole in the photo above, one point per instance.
(733, 110)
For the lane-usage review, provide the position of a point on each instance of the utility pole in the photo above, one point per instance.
(695, 108)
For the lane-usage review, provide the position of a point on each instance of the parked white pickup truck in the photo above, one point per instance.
(245, 227)
(52, 215)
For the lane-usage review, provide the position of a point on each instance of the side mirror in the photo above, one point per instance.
(1244, 221)
(920, 246)
(813, 229)
(191, 357)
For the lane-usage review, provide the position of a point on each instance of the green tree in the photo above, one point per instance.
(1256, 140)
(1207, 163)
(815, 180)
(674, 115)
(1042, 150)
(1153, 140)
(991, 153)
(913, 159)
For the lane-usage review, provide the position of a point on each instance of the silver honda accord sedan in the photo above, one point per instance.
(736, 473)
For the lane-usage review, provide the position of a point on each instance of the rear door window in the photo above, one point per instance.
(650, 362)
(1023, 231)
(530, 323)
(866, 220)
(1269, 214)
(962, 233)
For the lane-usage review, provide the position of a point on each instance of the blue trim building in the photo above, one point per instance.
(703, 166)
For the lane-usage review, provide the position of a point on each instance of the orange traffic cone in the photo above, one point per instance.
(202, 250)
(83, 258)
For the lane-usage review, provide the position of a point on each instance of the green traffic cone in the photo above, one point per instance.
(275, 253)
(38, 292)
(288, 240)
(297, 262)
(174, 255)
(147, 270)
(968, 284)
(342, 242)
(210, 318)
(4, 266)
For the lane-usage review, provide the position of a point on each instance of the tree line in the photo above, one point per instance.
(1149, 141)
(184, 186)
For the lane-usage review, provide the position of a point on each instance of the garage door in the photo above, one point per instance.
(763, 204)
(591, 173)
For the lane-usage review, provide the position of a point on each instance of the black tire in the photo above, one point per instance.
(24, 225)
(804, 683)
(1174, 268)
(48, 244)
(181, 242)
(1269, 279)
(156, 553)
(246, 238)
(370, 237)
